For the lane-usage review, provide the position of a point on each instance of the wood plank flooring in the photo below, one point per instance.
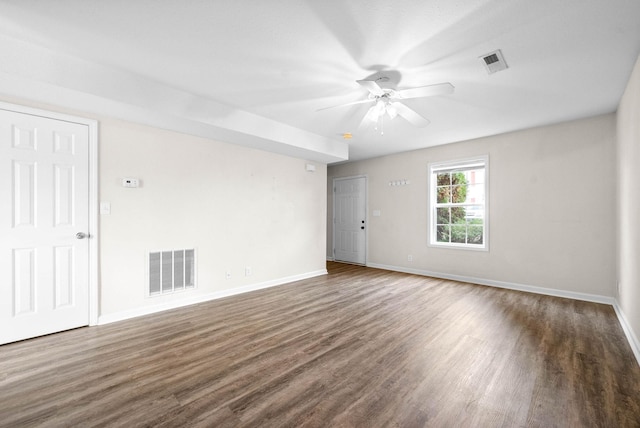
(359, 347)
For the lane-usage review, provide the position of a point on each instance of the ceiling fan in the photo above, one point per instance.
(388, 101)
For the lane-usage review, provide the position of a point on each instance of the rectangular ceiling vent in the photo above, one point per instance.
(494, 61)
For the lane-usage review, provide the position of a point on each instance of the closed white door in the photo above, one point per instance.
(349, 229)
(44, 224)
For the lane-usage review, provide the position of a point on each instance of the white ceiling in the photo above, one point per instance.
(256, 72)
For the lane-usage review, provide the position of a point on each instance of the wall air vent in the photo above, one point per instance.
(171, 271)
(494, 61)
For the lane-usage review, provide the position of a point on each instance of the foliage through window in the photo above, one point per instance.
(458, 203)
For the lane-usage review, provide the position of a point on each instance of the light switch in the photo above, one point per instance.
(376, 213)
(105, 208)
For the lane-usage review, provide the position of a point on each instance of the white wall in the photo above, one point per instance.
(628, 161)
(237, 206)
(552, 205)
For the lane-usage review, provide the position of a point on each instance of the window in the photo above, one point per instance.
(457, 204)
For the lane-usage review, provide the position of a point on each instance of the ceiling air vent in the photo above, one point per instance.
(494, 61)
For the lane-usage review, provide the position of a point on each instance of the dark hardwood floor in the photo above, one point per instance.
(358, 347)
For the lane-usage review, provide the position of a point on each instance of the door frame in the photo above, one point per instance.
(366, 215)
(92, 126)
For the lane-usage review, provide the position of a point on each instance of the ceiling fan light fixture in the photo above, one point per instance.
(372, 114)
(379, 108)
(387, 100)
(392, 111)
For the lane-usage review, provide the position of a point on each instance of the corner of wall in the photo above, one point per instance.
(628, 209)
(628, 331)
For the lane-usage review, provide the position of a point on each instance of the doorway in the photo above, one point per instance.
(349, 220)
(48, 227)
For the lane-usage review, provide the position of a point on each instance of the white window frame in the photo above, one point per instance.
(435, 167)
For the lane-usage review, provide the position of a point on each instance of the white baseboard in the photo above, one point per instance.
(147, 310)
(501, 284)
(628, 331)
(631, 337)
(330, 259)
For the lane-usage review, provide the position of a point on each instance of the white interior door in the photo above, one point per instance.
(349, 217)
(44, 225)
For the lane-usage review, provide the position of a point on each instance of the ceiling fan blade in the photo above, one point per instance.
(410, 115)
(368, 119)
(347, 104)
(371, 86)
(374, 112)
(426, 91)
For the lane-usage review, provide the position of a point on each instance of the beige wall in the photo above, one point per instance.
(552, 204)
(628, 162)
(236, 206)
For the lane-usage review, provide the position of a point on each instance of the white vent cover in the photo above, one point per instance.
(494, 61)
(171, 271)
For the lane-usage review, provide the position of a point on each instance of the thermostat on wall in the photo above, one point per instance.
(130, 182)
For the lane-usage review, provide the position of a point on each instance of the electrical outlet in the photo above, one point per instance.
(410, 258)
(247, 271)
(227, 274)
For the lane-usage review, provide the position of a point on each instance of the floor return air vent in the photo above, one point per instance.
(170, 271)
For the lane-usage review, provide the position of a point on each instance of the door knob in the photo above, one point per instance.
(81, 235)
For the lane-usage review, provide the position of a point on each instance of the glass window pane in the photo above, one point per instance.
(459, 178)
(475, 176)
(474, 194)
(443, 179)
(458, 215)
(443, 216)
(444, 194)
(459, 194)
(443, 233)
(459, 234)
(475, 214)
(475, 235)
